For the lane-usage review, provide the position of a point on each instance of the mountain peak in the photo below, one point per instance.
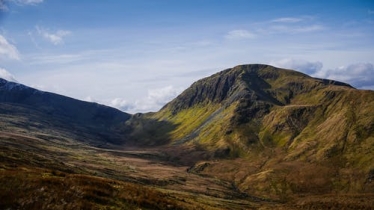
(256, 82)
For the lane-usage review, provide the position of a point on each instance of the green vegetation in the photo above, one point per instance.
(290, 117)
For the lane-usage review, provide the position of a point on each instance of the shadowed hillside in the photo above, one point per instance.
(46, 112)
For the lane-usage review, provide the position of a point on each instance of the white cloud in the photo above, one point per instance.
(295, 29)
(299, 65)
(6, 75)
(278, 26)
(163, 95)
(121, 104)
(8, 50)
(28, 2)
(5, 8)
(311, 28)
(287, 20)
(90, 99)
(360, 75)
(240, 34)
(291, 25)
(155, 99)
(55, 38)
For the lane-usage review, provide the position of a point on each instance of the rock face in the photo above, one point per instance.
(248, 83)
(61, 112)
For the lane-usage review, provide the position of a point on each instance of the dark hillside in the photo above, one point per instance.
(53, 111)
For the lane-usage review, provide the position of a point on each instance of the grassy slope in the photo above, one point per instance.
(41, 170)
(317, 140)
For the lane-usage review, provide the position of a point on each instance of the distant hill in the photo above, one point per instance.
(43, 111)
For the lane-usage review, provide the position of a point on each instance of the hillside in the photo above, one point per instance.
(284, 132)
(219, 111)
(51, 114)
(249, 137)
(60, 153)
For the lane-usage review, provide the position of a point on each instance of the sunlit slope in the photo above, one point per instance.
(291, 134)
(255, 106)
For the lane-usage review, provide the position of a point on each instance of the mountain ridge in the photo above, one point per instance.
(218, 91)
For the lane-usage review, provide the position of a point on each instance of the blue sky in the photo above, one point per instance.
(136, 55)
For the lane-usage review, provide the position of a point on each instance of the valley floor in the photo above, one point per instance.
(48, 172)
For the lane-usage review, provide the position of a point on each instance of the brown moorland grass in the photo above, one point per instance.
(40, 173)
(35, 188)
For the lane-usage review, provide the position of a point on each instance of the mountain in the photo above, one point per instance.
(220, 110)
(283, 132)
(52, 113)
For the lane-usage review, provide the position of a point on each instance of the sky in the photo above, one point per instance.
(137, 55)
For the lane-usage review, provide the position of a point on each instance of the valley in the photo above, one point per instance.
(249, 137)
(42, 173)
(31, 163)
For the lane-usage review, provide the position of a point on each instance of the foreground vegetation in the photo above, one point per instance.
(38, 174)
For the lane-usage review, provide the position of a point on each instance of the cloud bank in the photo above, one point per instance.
(299, 65)
(360, 75)
(155, 99)
(121, 104)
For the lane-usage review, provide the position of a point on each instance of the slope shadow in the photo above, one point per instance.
(36, 121)
(142, 130)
